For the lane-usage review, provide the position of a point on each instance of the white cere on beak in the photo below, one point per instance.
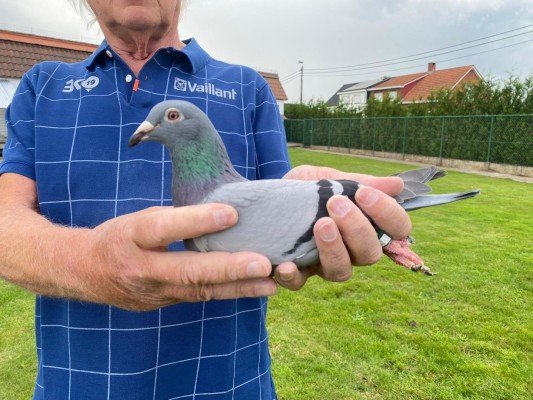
(141, 134)
(145, 128)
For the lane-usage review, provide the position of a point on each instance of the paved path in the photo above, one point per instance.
(492, 174)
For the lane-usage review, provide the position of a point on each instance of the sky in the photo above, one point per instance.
(274, 35)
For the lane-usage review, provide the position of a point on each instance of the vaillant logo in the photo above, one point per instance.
(186, 86)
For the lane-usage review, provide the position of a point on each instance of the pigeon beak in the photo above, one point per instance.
(141, 133)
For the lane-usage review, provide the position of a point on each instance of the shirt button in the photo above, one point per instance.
(129, 78)
(109, 54)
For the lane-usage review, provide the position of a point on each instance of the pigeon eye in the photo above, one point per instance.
(173, 115)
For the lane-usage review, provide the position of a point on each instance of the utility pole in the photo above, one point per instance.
(301, 81)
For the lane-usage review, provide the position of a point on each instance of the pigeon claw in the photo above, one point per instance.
(399, 252)
(422, 268)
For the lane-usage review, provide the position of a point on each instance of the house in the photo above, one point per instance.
(396, 87)
(8, 87)
(418, 87)
(274, 82)
(20, 51)
(450, 78)
(353, 95)
(334, 100)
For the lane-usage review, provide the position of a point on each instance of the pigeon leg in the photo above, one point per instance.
(399, 252)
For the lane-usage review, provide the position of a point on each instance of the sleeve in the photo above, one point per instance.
(19, 149)
(269, 137)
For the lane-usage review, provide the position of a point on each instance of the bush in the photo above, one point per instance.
(488, 97)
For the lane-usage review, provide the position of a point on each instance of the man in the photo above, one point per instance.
(84, 222)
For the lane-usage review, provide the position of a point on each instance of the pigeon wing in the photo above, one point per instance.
(276, 218)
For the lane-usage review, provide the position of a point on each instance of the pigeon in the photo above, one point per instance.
(276, 216)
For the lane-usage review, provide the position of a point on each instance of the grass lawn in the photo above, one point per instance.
(466, 333)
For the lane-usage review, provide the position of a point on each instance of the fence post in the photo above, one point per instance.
(491, 130)
(404, 136)
(312, 131)
(350, 136)
(329, 133)
(374, 138)
(441, 140)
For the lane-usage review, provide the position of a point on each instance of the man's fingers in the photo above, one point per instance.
(191, 276)
(195, 269)
(234, 290)
(160, 227)
(290, 277)
(153, 209)
(392, 185)
(255, 288)
(384, 211)
(334, 256)
(357, 232)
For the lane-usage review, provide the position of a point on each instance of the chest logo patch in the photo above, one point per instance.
(88, 84)
(186, 86)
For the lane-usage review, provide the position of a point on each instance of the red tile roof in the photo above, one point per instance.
(275, 85)
(398, 81)
(440, 79)
(20, 51)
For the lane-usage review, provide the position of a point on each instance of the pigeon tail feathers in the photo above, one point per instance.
(431, 200)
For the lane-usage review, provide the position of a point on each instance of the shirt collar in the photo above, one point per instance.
(197, 57)
(89, 62)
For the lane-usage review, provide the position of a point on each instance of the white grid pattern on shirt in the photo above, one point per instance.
(71, 224)
(161, 365)
(196, 321)
(161, 204)
(115, 215)
(161, 200)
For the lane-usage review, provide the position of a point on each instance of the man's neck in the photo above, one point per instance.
(136, 48)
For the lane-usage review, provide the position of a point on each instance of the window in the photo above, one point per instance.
(393, 95)
(3, 128)
(378, 96)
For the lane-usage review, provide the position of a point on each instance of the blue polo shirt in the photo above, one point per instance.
(68, 129)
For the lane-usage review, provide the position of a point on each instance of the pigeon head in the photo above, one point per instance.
(173, 122)
(200, 161)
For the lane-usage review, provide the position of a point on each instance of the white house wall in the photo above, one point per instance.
(281, 106)
(7, 91)
(347, 98)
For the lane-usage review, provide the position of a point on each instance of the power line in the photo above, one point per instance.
(311, 74)
(289, 75)
(422, 58)
(291, 79)
(425, 52)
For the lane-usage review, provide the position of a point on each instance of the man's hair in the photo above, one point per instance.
(83, 9)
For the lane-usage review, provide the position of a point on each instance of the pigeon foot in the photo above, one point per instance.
(422, 268)
(400, 252)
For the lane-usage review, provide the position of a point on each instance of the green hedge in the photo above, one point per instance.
(505, 139)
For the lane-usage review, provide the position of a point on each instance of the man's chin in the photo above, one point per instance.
(138, 18)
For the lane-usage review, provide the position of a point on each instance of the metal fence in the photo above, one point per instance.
(504, 139)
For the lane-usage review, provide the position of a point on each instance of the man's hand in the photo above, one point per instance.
(135, 271)
(347, 237)
(124, 261)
